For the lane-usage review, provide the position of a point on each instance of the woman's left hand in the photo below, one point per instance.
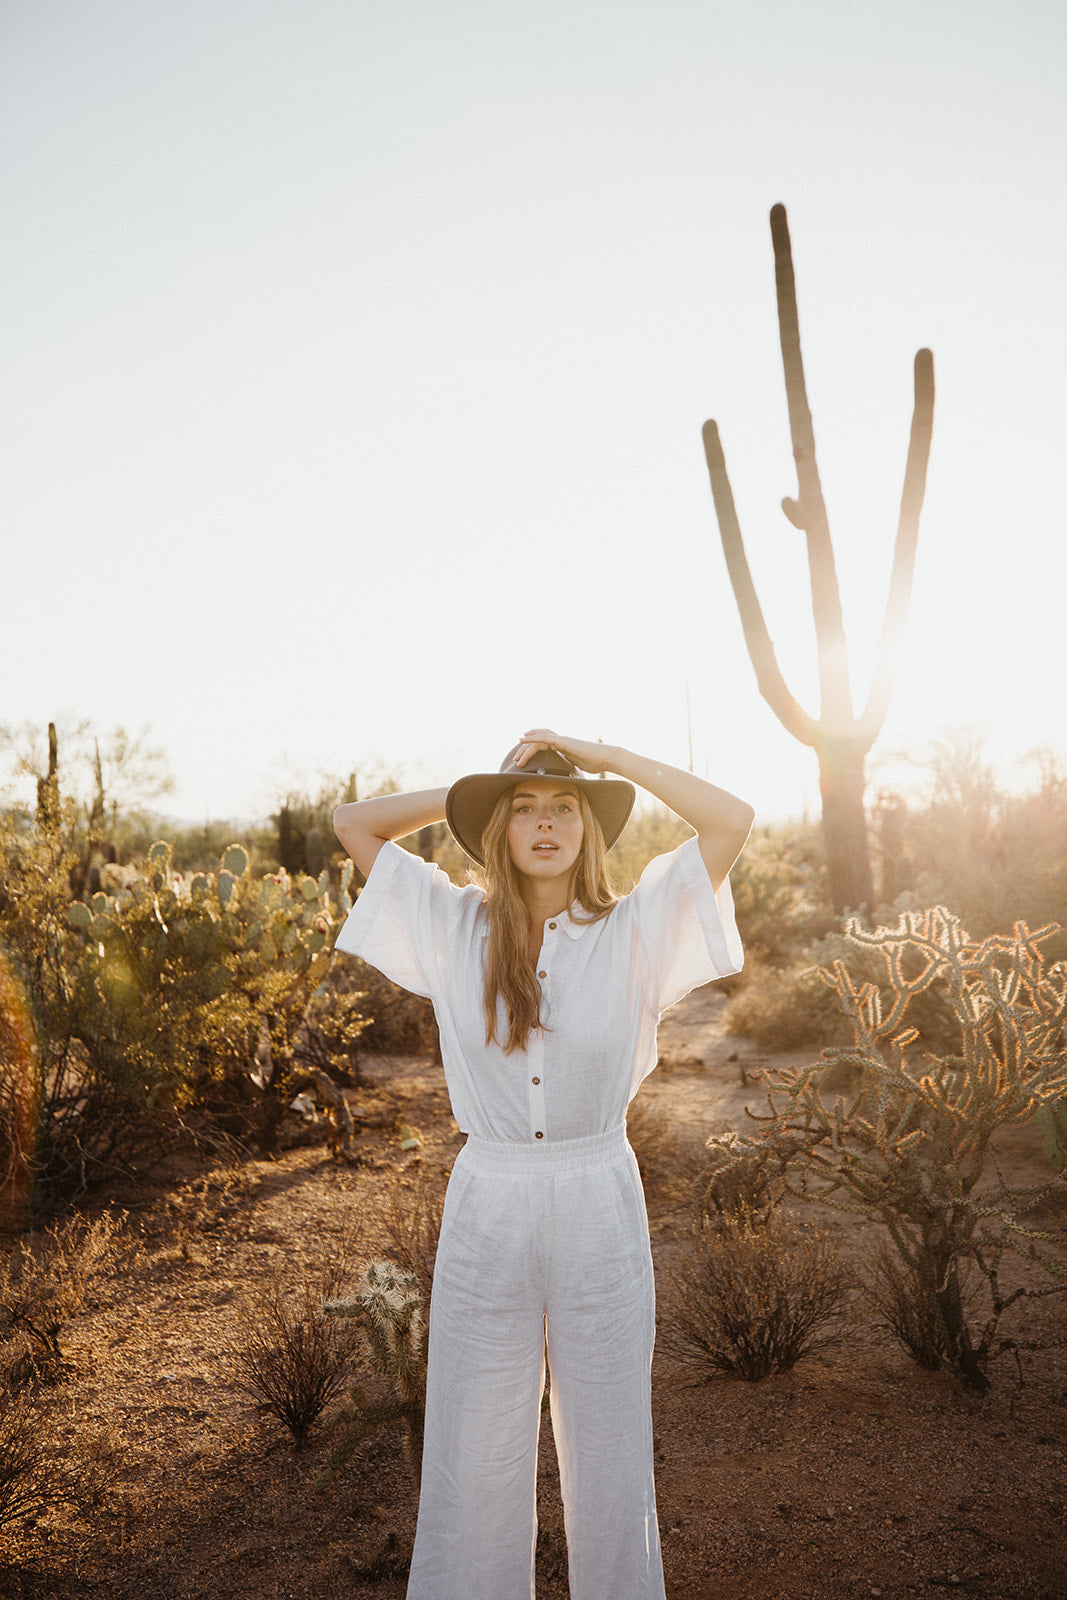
(590, 757)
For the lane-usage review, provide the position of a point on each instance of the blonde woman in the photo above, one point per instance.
(547, 988)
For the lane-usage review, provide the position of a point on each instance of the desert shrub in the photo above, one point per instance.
(413, 1227)
(649, 832)
(763, 897)
(31, 1480)
(20, 1098)
(784, 1009)
(912, 1145)
(287, 1356)
(43, 1285)
(749, 1298)
(669, 1153)
(388, 1308)
(727, 1190)
(994, 857)
(94, 800)
(927, 1004)
(905, 1306)
(793, 1007)
(781, 898)
(397, 1022)
(302, 825)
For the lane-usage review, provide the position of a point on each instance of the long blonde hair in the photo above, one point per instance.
(508, 973)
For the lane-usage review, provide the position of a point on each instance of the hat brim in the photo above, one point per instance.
(470, 802)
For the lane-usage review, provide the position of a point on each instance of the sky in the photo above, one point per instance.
(355, 355)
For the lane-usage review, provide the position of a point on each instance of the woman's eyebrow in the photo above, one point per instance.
(529, 794)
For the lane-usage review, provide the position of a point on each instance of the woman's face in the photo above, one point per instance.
(545, 828)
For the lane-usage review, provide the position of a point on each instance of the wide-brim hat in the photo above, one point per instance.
(471, 800)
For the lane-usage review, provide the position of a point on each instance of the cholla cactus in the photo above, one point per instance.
(388, 1303)
(912, 1147)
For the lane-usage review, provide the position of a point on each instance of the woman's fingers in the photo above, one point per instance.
(537, 739)
(588, 756)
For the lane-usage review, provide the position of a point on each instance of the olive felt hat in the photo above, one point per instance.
(470, 800)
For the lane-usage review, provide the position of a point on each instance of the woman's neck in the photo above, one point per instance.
(544, 900)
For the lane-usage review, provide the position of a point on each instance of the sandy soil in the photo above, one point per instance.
(856, 1474)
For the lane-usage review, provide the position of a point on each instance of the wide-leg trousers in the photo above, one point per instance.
(541, 1246)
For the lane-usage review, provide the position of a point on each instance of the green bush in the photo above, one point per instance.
(397, 1021)
(153, 1001)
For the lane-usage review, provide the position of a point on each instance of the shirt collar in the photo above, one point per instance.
(571, 925)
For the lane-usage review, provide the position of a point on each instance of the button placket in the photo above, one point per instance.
(535, 1088)
(536, 1046)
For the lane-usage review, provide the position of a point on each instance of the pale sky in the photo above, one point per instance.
(355, 355)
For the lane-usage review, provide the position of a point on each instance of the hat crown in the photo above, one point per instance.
(545, 764)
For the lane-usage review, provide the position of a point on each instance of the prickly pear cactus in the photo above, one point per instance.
(175, 974)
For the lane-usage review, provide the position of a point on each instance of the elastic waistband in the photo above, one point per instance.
(512, 1157)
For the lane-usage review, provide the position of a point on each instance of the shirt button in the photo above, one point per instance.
(552, 925)
(535, 1080)
(538, 1135)
(542, 974)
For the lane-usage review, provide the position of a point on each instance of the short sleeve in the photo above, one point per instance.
(687, 931)
(406, 919)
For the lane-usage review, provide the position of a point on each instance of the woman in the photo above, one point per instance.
(547, 990)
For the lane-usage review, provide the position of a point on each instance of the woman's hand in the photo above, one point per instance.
(582, 753)
(720, 819)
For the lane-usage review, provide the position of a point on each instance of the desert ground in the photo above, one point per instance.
(854, 1474)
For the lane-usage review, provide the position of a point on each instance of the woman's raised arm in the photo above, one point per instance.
(722, 821)
(363, 826)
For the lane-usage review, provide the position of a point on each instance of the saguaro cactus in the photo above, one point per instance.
(839, 737)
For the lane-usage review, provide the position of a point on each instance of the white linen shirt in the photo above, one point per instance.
(604, 985)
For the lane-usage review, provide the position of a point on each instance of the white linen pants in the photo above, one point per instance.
(540, 1240)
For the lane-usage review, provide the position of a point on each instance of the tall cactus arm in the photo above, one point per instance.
(772, 685)
(808, 511)
(911, 500)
